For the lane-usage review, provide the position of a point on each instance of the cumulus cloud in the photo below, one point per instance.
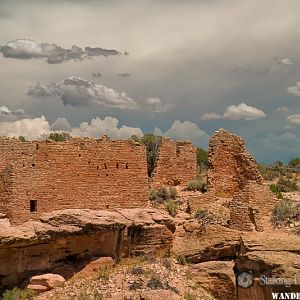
(60, 124)
(38, 128)
(28, 49)
(7, 114)
(29, 128)
(241, 111)
(75, 91)
(124, 75)
(284, 61)
(157, 105)
(183, 131)
(294, 90)
(294, 119)
(107, 126)
(283, 109)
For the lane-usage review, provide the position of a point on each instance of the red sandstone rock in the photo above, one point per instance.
(96, 265)
(175, 165)
(159, 295)
(38, 177)
(63, 241)
(217, 277)
(45, 282)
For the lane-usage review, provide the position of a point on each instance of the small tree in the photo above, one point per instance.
(59, 137)
(202, 157)
(21, 138)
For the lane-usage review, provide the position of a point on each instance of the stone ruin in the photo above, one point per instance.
(233, 174)
(43, 176)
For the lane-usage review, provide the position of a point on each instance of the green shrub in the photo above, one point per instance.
(59, 137)
(153, 195)
(190, 296)
(171, 207)
(21, 138)
(152, 143)
(172, 193)
(287, 185)
(285, 211)
(294, 162)
(18, 294)
(201, 214)
(162, 194)
(276, 190)
(195, 185)
(181, 259)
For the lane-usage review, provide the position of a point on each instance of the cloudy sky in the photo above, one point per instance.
(178, 68)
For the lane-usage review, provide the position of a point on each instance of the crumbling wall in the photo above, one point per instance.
(175, 164)
(251, 208)
(80, 173)
(230, 165)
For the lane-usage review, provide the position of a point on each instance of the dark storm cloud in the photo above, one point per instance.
(124, 75)
(28, 49)
(10, 115)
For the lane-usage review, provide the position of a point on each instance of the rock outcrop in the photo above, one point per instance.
(45, 282)
(62, 242)
(216, 277)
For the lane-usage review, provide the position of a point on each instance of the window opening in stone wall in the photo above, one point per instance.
(126, 166)
(37, 147)
(33, 205)
(117, 165)
(105, 166)
(33, 165)
(97, 167)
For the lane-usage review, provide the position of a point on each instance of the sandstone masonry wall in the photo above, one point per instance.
(175, 165)
(251, 208)
(80, 173)
(230, 164)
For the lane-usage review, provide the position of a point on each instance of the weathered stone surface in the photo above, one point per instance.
(217, 277)
(213, 243)
(45, 282)
(64, 241)
(275, 255)
(95, 265)
(175, 165)
(79, 173)
(251, 208)
(231, 166)
(159, 295)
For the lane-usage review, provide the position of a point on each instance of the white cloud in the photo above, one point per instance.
(76, 91)
(283, 109)
(285, 61)
(157, 105)
(185, 130)
(241, 111)
(29, 128)
(61, 124)
(107, 126)
(38, 128)
(294, 90)
(294, 119)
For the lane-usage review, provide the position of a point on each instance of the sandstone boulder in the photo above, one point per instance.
(217, 277)
(45, 282)
(95, 265)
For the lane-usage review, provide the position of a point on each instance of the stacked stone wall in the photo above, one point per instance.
(175, 165)
(80, 173)
(230, 165)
